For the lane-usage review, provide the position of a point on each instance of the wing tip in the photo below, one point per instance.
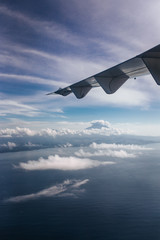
(52, 93)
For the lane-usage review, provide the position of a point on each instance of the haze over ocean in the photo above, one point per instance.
(69, 168)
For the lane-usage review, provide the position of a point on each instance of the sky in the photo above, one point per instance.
(48, 44)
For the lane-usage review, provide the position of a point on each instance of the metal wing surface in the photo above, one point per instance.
(113, 78)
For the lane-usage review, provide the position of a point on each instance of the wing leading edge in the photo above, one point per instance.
(113, 78)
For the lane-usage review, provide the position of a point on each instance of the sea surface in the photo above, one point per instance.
(120, 201)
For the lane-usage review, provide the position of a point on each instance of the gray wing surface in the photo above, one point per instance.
(113, 78)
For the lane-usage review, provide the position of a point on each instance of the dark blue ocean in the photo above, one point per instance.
(117, 202)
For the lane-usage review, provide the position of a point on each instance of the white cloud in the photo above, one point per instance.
(52, 29)
(31, 79)
(112, 150)
(96, 131)
(77, 184)
(73, 67)
(76, 67)
(98, 124)
(29, 144)
(61, 163)
(65, 189)
(108, 153)
(147, 128)
(17, 132)
(9, 145)
(124, 97)
(104, 128)
(118, 146)
(8, 107)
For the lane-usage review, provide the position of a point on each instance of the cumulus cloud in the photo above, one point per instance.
(112, 150)
(108, 153)
(118, 146)
(25, 137)
(9, 145)
(17, 132)
(99, 124)
(103, 128)
(65, 189)
(61, 163)
(29, 144)
(99, 131)
(96, 127)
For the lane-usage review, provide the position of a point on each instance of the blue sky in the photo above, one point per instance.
(48, 44)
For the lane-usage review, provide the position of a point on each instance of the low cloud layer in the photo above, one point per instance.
(8, 145)
(62, 163)
(67, 188)
(96, 127)
(100, 132)
(108, 153)
(111, 150)
(118, 146)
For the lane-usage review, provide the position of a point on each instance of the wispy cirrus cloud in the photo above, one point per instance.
(51, 29)
(40, 66)
(44, 52)
(8, 107)
(31, 79)
(65, 189)
(135, 97)
(28, 106)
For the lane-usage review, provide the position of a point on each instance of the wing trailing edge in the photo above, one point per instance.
(113, 78)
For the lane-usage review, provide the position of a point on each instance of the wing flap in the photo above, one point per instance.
(111, 84)
(80, 92)
(153, 65)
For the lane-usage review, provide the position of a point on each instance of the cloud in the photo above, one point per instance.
(61, 163)
(112, 150)
(108, 153)
(8, 107)
(111, 47)
(118, 146)
(18, 132)
(134, 96)
(65, 189)
(9, 145)
(99, 124)
(45, 66)
(104, 128)
(29, 144)
(31, 79)
(98, 132)
(51, 29)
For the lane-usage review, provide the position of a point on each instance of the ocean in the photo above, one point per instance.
(115, 201)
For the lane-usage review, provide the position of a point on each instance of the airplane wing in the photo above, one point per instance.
(113, 78)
